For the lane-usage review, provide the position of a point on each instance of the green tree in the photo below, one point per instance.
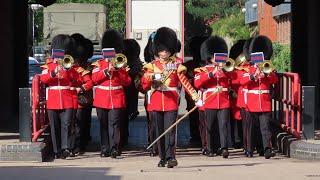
(207, 9)
(281, 58)
(232, 27)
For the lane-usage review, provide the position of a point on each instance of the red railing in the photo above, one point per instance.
(40, 120)
(287, 103)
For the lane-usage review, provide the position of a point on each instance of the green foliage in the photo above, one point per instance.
(232, 26)
(281, 58)
(38, 20)
(206, 9)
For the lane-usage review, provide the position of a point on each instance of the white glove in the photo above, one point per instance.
(199, 103)
(157, 77)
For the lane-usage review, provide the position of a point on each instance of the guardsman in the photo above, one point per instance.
(60, 78)
(163, 76)
(236, 53)
(132, 52)
(258, 82)
(83, 51)
(196, 118)
(213, 78)
(109, 94)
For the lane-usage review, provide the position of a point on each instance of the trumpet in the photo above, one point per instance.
(266, 67)
(67, 62)
(119, 61)
(229, 65)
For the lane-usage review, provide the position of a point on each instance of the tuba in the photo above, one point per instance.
(119, 61)
(266, 67)
(67, 62)
(229, 65)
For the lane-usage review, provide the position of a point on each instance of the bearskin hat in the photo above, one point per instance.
(262, 44)
(148, 50)
(195, 45)
(165, 39)
(237, 49)
(89, 48)
(213, 44)
(246, 50)
(131, 48)
(80, 49)
(65, 42)
(178, 47)
(112, 39)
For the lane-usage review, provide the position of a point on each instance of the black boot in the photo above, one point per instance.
(268, 153)
(114, 153)
(162, 163)
(225, 153)
(104, 154)
(172, 162)
(65, 153)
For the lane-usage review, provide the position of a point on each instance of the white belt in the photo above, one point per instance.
(167, 89)
(109, 87)
(215, 89)
(256, 91)
(59, 87)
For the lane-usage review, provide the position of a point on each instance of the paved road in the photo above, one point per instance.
(136, 165)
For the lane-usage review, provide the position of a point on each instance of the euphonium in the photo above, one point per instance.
(229, 65)
(119, 61)
(266, 67)
(67, 62)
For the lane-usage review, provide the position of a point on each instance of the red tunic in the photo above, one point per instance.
(257, 92)
(61, 87)
(109, 92)
(84, 82)
(209, 84)
(166, 97)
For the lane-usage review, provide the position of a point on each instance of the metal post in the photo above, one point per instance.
(25, 116)
(308, 111)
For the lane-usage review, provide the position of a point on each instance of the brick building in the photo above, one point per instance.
(274, 22)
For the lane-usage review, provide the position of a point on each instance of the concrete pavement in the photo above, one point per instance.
(136, 165)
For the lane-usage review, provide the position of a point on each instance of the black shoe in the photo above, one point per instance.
(104, 154)
(72, 154)
(172, 162)
(249, 154)
(218, 152)
(209, 154)
(269, 153)
(162, 163)
(114, 153)
(204, 151)
(261, 153)
(225, 153)
(57, 155)
(65, 153)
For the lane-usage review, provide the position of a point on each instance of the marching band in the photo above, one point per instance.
(228, 93)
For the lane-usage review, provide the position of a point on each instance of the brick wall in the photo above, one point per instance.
(284, 29)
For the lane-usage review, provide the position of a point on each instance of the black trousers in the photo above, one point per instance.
(110, 120)
(258, 122)
(236, 133)
(217, 127)
(60, 126)
(243, 114)
(82, 127)
(152, 129)
(166, 145)
(203, 129)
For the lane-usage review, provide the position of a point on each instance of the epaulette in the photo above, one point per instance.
(85, 72)
(181, 69)
(95, 64)
(200, 69)
(148, 66)
(80, 70)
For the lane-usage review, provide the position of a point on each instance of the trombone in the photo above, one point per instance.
(266, 67)
(119, 61)
(67, 62)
